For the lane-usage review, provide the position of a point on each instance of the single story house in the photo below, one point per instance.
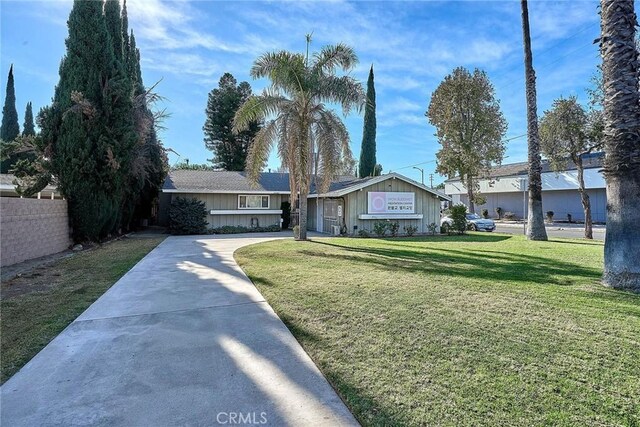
(8, 189)
(506, 187)
(350, 204)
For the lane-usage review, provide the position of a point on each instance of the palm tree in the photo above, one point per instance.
(621, 143)
(535, 220)
(309, 136)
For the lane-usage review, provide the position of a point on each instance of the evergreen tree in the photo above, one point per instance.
(29, 127)
(10, 128)
(367, 166)
(229, 149)
(88, 128)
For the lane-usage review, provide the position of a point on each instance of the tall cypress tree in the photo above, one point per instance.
(29, 128)
(367, 166)
(10, 128)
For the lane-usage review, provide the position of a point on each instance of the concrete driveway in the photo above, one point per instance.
(184, 338)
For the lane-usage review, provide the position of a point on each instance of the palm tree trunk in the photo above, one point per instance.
(470, 204)
(535, 228)
(584, 198)
(621, 144)
(303, 214)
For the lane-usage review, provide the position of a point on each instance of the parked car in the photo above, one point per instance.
(474, 222)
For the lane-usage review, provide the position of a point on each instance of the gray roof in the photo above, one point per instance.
(6, 182)
(589, 161)
(199, 181)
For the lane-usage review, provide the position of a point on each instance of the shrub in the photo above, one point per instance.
(410, 230)
(445, 229)
(380, 228)
(394, 227)
(235, 229)
(550, 216)
(296, 232)
(363, 233)
(433, 227)
(485, 213)
(459, 218)
(187, 216)
(499, 212)
(509, 216)
(286, 214)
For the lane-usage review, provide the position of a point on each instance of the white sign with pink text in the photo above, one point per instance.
(391, 202)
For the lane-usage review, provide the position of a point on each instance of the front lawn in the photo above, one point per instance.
(38, 305)
(484, 329)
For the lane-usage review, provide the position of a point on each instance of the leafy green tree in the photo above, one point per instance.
(621, 97)
(229, 149)
(368, 165)
(535, 223)
(469, 127)
(29, 128)
(566, 134)
(193, 166)
(300, 124)
(10, 128)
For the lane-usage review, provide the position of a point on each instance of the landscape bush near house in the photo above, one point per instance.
(458, 218)
(187, 216)
(380, 228)
(433, 228)
(394, 227)
(509, 216)
(499, 212)
(410, 230)
(363, 233)
(485, 213)
(234, 229)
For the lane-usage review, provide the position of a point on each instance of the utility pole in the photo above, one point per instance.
(431, 180)
(421, 173)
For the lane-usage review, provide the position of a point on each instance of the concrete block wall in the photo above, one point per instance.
(31, 228)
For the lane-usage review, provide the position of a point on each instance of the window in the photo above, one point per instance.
(253, 202)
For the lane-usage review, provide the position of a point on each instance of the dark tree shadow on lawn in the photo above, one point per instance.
(486, 265)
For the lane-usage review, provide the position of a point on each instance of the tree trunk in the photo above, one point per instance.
(303, 214)
(471, 205)
(535, 227)
(621, 144)
(584, 198)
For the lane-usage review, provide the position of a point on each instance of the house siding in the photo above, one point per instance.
(230, 202)
(356, 203)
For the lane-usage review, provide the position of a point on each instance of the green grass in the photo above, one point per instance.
(39, 305)
(484, 329)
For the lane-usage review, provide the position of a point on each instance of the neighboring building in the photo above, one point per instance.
(351, 204)
(8, 189)
(506, 187)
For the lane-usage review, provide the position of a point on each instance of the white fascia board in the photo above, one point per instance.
(245, 212)
(390, 216)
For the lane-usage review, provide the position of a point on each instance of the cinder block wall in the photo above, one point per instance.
(31, 228)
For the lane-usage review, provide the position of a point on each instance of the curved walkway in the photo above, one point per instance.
(184, 338)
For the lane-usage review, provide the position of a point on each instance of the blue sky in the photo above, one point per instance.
(413, 45)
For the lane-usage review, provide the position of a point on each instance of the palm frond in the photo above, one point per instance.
(258, 108)
(259, 150)
(344, 90)
(332, 56)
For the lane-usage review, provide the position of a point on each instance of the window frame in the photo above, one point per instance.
(261, 196)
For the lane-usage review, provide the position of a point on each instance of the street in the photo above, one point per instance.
(572, 231)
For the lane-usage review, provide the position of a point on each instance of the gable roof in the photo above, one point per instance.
(589, 161)
(199, 181)
(342, 188)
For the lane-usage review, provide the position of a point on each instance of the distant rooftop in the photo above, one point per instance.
(589, 161)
